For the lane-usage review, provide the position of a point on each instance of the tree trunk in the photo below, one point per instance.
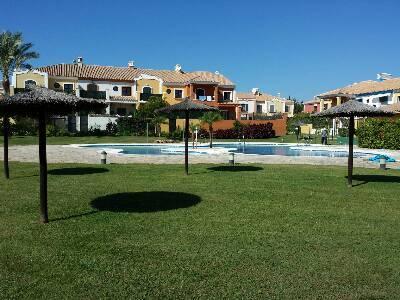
(210, 129)
(6, 129)
(187, 143)
(350, 159)
(43, 168)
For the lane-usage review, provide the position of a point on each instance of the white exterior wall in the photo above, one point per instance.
(373, 100)
(251, 105)
(107, 86)
(100, 122)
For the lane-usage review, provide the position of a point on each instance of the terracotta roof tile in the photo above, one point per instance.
(366, 87)
(259, 97)
(91, 72)
(128, 74)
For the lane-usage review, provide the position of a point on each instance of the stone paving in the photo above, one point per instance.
(67, 154)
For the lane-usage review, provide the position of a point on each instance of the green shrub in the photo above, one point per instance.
(131, 126)
(305, 118)
(343, 132)
(176, 135)
(379, 134)
(23, 127)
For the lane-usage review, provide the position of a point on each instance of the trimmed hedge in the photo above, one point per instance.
(379, 134)
(253, 131)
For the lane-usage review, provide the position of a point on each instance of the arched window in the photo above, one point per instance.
(29, 82)
(200, 94)
(146, 90)
(91, 87)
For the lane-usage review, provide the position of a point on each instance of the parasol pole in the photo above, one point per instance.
(350, 158)
(43, 168)
(6, 131)
(187, 142)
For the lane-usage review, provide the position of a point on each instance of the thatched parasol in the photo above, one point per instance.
(39, 102)
(189, 109)
(351, 109)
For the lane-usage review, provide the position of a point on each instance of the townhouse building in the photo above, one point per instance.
(125, 88)
(256, 104)
(381, 93)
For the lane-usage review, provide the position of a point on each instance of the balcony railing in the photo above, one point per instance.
(21, 90)
(145, 97)
(93, 94)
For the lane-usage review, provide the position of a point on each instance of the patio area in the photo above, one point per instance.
(68, 154)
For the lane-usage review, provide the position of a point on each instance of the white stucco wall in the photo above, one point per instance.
(100, 121)
(250, 103)
(107, 86)
(373, 100)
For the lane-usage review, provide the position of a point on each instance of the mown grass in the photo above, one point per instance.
(262, 231)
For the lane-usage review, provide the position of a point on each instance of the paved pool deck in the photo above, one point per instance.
(68, 154)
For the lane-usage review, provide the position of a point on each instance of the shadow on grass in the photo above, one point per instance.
(74, 216)
(235, 168)
(77, 171)
(145, 201)
(375, 178)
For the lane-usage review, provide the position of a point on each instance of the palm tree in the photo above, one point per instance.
(193, 127)
(14, 54)
(156, 121)
(209, 118)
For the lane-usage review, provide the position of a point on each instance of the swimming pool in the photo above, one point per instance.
(221, 148)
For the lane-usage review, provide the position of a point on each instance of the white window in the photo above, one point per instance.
(30, 82)
(271, 108)
(227, 96)
(245, 107)
(259, 108)
(178, 94)
(68, 88)
(200, 94)
(147, 90)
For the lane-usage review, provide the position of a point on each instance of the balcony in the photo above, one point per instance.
(93, 94)
(145, 97)
(22, 90)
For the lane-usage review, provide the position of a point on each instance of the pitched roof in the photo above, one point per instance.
(366, 87)
(241, 95)
(95, 72)
(395, 108)
(91, 72)
(258, 97)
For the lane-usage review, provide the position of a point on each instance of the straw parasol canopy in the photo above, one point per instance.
(38, 102)
(352, 109)
(187, 108)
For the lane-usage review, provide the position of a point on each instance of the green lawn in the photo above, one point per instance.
(33, 140)
(148, 231)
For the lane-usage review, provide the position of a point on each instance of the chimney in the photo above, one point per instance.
(178, 68)
(255, 91)
(131, 64)
(79, 60)
(384, 76)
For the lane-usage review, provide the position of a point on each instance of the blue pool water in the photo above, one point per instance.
(260, 149)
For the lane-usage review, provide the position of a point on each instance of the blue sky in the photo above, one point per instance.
(298, 48)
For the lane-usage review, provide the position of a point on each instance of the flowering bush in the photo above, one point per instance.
(253, 131)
